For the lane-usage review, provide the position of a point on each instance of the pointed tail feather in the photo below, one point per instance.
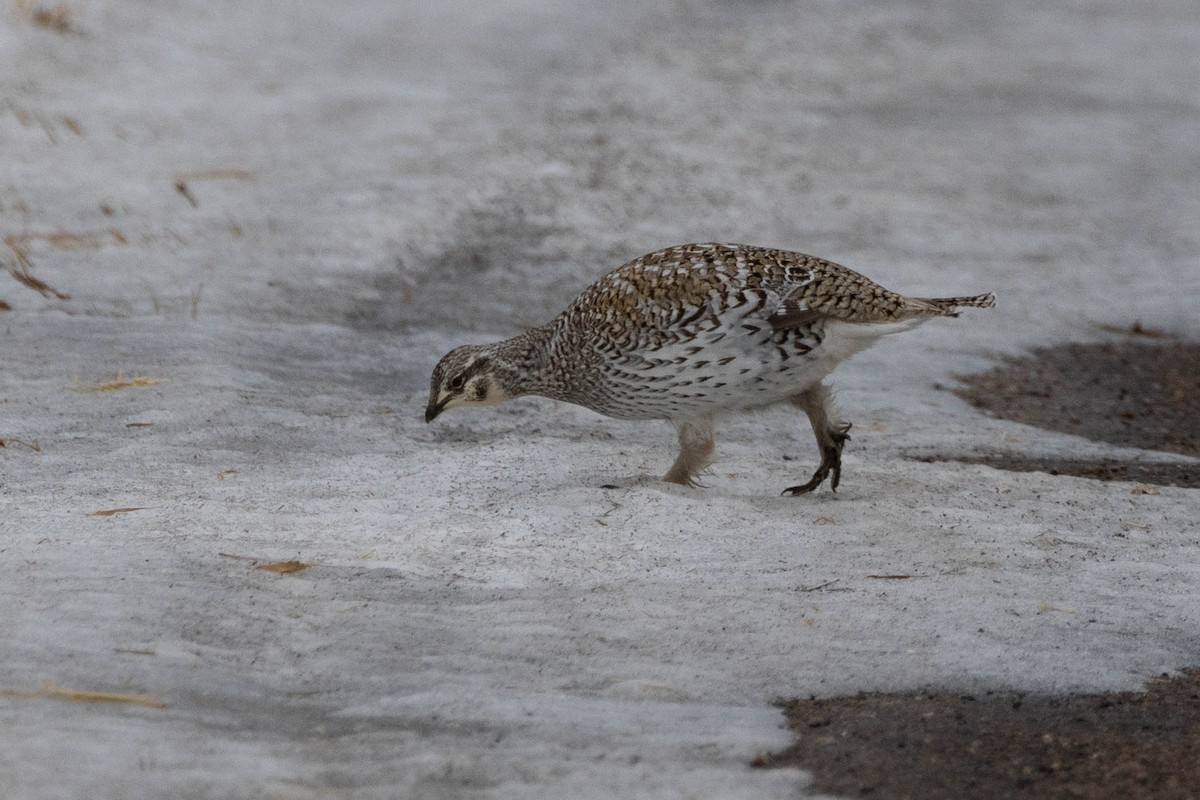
(947, 306)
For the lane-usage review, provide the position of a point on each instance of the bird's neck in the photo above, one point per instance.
(524, 362)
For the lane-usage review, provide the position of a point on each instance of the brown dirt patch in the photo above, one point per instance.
(1141, 393)
(1135, 394)
(1116, 746)
(1104, 469)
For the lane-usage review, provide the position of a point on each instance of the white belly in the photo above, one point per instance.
(724, 370)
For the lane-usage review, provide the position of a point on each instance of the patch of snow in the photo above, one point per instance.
(365, 187)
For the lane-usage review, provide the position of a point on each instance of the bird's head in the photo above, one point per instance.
(466, 375)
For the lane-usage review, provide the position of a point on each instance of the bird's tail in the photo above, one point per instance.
(948, 306)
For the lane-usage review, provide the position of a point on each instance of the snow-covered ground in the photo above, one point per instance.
(280, 214)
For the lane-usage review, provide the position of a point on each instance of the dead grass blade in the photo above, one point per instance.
(283, 567)
(18, 243)
(35, 447)
(37, 284)
(182, 187)
(108, 512)
(183, 178)
(84, 696)
(121, 382)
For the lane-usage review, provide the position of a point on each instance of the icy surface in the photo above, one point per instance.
(363, 186)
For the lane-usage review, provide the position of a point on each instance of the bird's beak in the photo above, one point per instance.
(434, 408)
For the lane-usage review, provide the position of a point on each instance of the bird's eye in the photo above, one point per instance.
(457, 382)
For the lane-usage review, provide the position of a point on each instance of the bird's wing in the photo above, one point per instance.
(832, 291)
(791, 315)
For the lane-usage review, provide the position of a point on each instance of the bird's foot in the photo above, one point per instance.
(831, 466)
(689, 479)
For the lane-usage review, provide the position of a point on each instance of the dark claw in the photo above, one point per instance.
(831, 467)
(841, 437)
(792, 491)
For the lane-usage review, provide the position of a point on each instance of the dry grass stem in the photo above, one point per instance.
(84, 696)
(37, 284)
(182, 187)
(19, 243)
(35, 447)
(183, 178)
(121, 382)
(108, 512)
(283, 566)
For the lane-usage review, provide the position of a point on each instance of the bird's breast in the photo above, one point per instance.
(706, 368)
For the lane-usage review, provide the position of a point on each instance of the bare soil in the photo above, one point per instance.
(1102, 469)
(1142, 392)
(1119, 746)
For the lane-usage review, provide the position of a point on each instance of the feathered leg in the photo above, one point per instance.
(817, 402)
(695, 451)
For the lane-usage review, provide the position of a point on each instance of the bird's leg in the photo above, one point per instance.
(831, 432)
(695, 451)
